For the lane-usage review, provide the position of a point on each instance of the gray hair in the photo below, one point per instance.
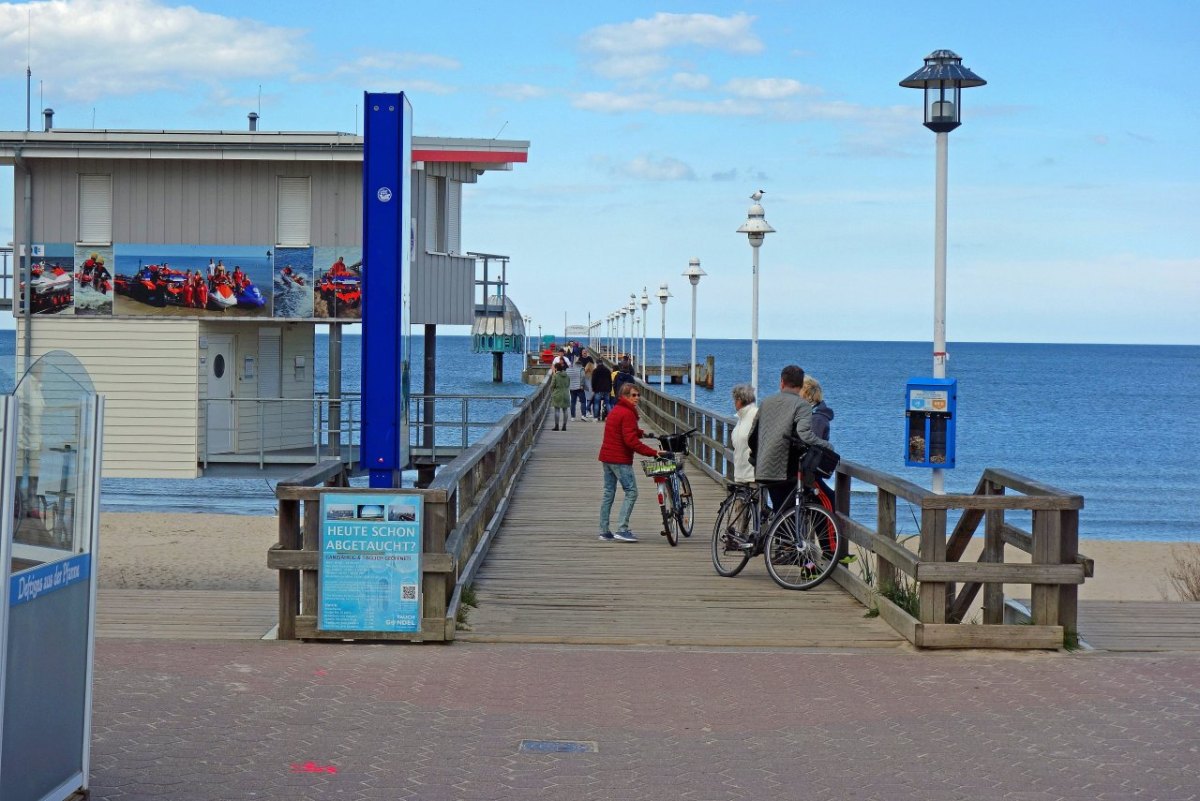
(743, 393)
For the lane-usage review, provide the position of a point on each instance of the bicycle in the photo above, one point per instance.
(801, 543)
(674, 488)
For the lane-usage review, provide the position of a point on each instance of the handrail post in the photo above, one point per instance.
(885, 571)
(993, 552)
(933, 595)
(1047, 550)
(1068, 598)
(289, 580)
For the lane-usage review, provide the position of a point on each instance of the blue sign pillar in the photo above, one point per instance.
(387, 210)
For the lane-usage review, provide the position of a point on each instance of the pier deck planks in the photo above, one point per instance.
(547, 579)
(186, 614)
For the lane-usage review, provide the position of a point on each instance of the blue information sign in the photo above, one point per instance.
(370, 563)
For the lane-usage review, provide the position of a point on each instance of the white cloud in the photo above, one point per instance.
(123, 47)
(768, 88)
(631, 50)
(664, 31)
(520, 91)
(662, 169)
(691, 81)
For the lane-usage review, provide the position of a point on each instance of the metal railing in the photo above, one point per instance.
(450, 423)
(270, 430)
(274, 429)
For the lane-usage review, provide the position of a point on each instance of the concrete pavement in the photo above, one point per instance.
(282, 720)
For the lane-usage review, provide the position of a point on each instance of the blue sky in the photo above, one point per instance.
(1074, 182)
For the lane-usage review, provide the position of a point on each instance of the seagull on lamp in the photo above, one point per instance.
(757, 196)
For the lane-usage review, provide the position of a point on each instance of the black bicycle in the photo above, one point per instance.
(674, 488)
(800, 542)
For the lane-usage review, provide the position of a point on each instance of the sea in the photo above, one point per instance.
(1118, 424)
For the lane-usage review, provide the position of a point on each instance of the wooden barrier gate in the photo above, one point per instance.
(463, 507)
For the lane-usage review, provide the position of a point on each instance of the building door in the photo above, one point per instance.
(221, 429)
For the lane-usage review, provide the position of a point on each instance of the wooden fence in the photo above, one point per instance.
(926, 580)
(463, 507)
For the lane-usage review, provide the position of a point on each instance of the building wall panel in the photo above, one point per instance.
(147, 371)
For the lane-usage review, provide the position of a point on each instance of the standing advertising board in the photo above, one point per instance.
(370, 576)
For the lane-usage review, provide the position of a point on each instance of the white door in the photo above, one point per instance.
(222, 420)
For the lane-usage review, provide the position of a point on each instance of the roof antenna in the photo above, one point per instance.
(28, 65)
(502, 127)
(260, 100)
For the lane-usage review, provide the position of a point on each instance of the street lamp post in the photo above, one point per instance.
(663, 294)
(943, 78)
(633, 324)
(756, 229)
(693, 274)
(645, 303)
(528, 324)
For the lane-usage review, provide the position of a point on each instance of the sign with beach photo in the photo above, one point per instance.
(215, 281)
(370, 577)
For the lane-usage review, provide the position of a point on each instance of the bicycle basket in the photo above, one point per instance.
(675, 443)
(659, 467)
(819, 460)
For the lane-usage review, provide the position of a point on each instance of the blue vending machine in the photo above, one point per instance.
(930, 408)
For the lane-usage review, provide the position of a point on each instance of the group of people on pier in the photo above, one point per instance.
(584, 386)
(764, 442)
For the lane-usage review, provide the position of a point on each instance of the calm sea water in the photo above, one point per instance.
(1115, 423)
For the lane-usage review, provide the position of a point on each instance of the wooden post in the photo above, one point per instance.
(993, 552)
(1047, 550)
(885, 571)
(1068, 598)
(933, 549)
(309, 595)
(436, 588)
(289, 580)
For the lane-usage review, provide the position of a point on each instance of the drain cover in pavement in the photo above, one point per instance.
(558, 746)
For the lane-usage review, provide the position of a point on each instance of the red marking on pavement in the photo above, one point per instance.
(321, 672)
(313, 767)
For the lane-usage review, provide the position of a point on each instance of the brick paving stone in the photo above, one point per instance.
(221, 720)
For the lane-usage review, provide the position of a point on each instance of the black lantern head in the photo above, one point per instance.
(943, 77)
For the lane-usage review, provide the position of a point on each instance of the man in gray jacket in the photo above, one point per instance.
(780, 418)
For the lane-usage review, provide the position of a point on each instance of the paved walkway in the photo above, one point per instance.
(278, 720)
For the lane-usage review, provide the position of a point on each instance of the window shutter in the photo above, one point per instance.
(295, 213)
(95, 209)
(432, 211)
(270, 375)
(453, 217)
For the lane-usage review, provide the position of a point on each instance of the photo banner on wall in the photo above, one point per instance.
(218, 282)
(192, 281)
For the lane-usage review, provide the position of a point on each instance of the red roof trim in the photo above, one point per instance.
(481, 156)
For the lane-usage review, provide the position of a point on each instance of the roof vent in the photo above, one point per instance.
(253, 117)
(49, 115)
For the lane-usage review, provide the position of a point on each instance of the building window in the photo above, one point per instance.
(95, 209)
(295, 213)
(435, 214)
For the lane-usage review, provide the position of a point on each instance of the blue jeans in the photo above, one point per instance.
(612, 474)
(599, 403)
(577, 398)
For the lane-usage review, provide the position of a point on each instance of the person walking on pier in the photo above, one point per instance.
(589, 392)
(622, 439)
(601, 390)
(782, 418)
(575, 376)
(560, 394)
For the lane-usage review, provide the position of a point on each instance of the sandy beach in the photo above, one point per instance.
(229, 552)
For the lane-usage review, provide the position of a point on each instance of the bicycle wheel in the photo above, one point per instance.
(733, 517)
(687, 511)
(670, 523)
(802, 559)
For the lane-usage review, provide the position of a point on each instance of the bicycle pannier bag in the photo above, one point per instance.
(820, 460)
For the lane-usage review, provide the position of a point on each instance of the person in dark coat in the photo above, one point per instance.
(624, 373)
(601, 390)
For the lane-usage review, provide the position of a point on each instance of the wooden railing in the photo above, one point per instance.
(462, 510)
(928, 577)
(930, 574)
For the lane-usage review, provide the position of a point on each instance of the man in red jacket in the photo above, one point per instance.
(622, 439)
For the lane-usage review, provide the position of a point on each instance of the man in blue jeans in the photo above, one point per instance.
(622, 439)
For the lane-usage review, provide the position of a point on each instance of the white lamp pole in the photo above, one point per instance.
(663, 294)
(693, 274)
(633, 315)
(645, 303)
(528, 328)
(943, 77)
(756, 229)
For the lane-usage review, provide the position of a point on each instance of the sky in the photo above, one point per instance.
(1073, 188)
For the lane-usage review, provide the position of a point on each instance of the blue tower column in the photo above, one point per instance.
(387, 205)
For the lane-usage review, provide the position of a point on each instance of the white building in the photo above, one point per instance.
(195, 381)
